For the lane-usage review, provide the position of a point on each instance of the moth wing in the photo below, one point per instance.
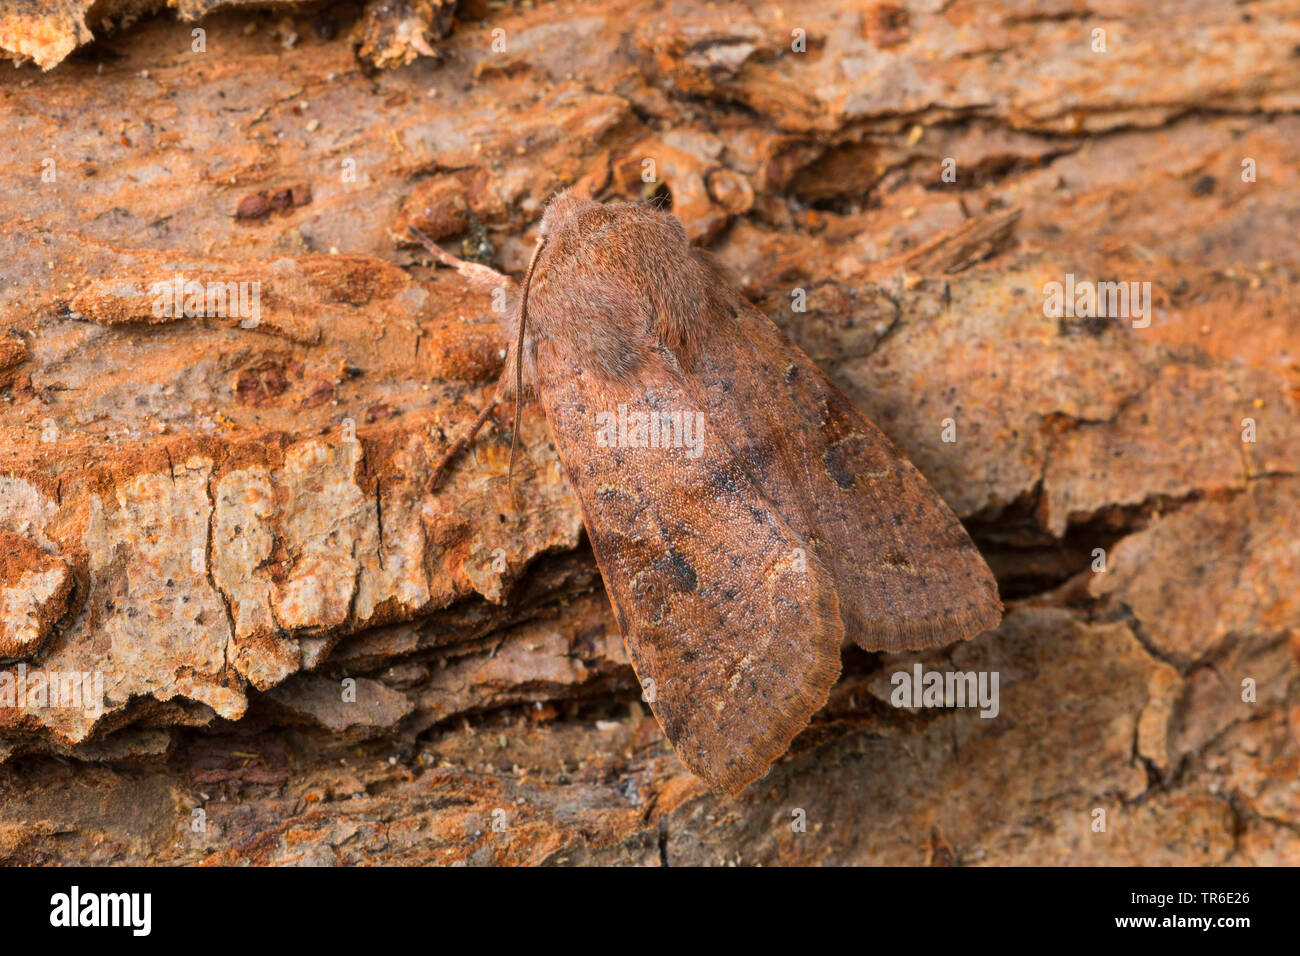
(907, 573)
(731, 623)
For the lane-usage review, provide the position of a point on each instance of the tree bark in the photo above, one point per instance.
(308, 656)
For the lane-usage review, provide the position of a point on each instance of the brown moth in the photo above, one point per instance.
(745, 516)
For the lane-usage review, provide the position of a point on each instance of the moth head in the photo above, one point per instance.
(562, 210)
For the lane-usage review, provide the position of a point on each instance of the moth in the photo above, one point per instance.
(746, 518)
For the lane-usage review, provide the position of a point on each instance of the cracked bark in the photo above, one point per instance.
(481, 689)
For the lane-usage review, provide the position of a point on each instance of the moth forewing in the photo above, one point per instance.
(907, 573)
(738, 637)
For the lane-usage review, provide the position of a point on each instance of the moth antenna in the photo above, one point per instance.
(519, 358)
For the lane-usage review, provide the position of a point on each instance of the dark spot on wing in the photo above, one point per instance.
(724, 479)
(839, 465)
(673, 725)
(678, 571)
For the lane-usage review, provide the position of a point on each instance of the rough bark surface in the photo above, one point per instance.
(230, 522)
